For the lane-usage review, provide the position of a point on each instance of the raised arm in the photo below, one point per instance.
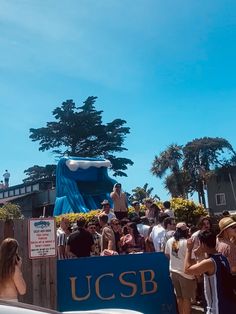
(19, 280)
(196, 269)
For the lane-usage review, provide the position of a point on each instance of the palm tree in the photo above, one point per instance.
(202, 155)
(170, 160)
(140, 193)
(171, 184)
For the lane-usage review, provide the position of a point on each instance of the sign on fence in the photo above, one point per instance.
(137, 281)
(42, 237)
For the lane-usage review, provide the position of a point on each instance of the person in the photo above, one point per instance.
(2, 186)
(6, 177)
(120, 202)
(80, 243)
(108, 241)
(184, 284)
(11, 278)
(225, 213)
(91, 227)
(147, 203)
(133, 241)
(143, 226)
(136, 206)
(225, 240)
(116, 227)
(170, 228)
(219, 298)
(154, 212)
(168, 210)
(107, 210)
(63, 233)
(204, 223)
(157, 235)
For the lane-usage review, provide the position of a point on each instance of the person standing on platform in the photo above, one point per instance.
(6, 177)
(120, 202)
(11, 278)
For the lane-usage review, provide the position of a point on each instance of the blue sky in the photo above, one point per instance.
(166, 67)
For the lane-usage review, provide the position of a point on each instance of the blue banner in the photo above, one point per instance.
(138, 282)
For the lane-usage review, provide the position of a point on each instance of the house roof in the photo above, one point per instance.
(11, 198)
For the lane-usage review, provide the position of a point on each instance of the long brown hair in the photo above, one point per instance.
(8, 259)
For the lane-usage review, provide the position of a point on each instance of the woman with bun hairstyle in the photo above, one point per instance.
(12, 282)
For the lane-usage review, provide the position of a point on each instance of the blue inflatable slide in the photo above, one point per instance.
(81, 184)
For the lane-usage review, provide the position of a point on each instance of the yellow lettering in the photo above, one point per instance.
(151, 280)
(129, 284)
(97, 287)
(73, 289)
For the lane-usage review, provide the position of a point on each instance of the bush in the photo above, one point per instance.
(186, 210)
(10, 211)
(73, 217)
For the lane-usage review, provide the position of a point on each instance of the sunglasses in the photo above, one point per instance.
(116, 224)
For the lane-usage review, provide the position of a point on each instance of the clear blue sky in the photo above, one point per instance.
(166, 67)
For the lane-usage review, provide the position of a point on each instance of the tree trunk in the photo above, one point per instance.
(202, 193)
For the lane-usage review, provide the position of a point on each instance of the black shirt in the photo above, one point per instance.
(80, 242)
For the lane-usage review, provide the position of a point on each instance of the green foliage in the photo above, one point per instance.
(140, 193)
(187, 210)
(73, 217)
(186, 168)
(79, 132)
(10, 211)
(170, 160)
(184, 210)
(202, 155)
(174, 180)
(39, 172)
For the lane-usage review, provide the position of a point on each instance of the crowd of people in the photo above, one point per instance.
(199, 259)
(202, 262)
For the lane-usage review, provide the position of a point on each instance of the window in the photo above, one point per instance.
(35, 187)
(28, 189)
(22, 190)
(220, 199)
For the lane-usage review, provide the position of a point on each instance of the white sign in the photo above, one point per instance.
(42, 237)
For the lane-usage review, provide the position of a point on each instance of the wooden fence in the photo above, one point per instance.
(39, 274)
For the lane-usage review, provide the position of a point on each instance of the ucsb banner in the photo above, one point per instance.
(137, 281)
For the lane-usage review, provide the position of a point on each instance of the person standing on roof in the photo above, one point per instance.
(6, 177)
